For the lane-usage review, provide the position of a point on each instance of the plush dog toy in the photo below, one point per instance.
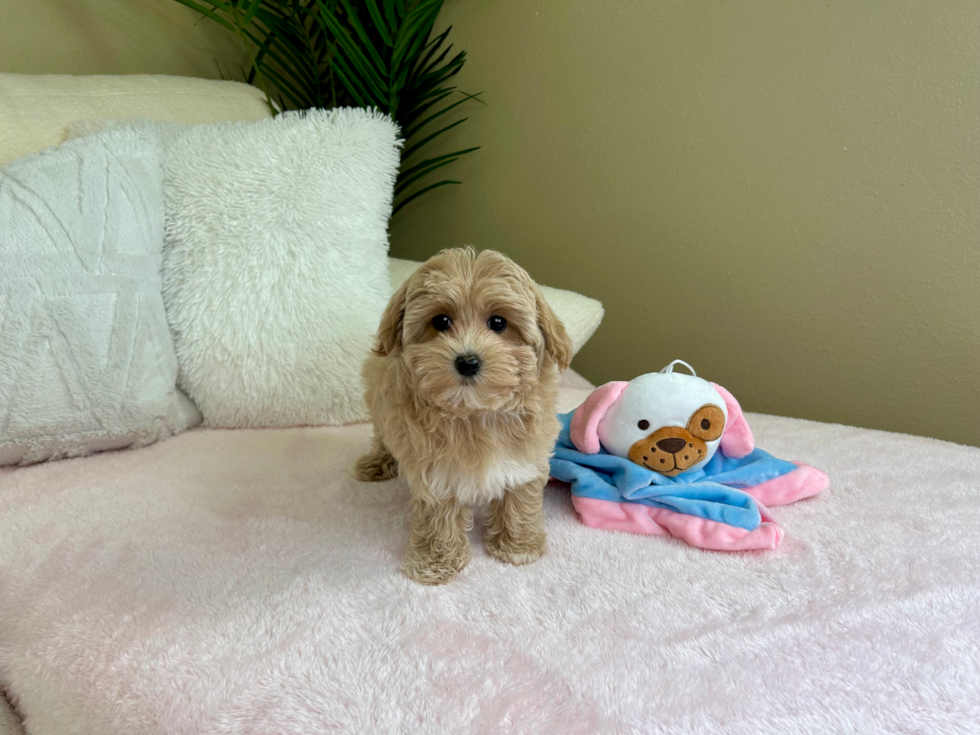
(670, 453)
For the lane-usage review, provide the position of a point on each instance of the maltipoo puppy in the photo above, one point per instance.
(462, 389)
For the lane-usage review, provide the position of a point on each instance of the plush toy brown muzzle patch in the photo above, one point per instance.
(672, 449)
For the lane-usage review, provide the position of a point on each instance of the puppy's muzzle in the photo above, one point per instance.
(468, 365)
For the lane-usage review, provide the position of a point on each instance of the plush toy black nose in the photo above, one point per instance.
(469, 365)
(672, 445)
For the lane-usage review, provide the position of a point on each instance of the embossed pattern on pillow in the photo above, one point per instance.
(86, 358)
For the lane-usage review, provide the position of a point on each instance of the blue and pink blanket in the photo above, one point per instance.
(720, 506)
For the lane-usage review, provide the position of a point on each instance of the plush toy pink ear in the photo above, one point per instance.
(585, 420)
(737, 440)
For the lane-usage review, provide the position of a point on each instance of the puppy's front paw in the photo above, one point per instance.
(375, 467)
(521, 550)
(432, 569)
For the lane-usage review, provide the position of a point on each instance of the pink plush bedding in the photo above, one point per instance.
(241, 582)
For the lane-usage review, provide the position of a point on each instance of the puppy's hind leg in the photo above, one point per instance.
(515, 527)
(376, 466)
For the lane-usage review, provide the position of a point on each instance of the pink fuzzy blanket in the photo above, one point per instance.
(241, 582)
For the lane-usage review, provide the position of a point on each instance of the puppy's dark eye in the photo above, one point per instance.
(643, 424)
(705, 424)
(497, 323)
(441, 323)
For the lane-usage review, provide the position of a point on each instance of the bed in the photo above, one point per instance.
(241, 581)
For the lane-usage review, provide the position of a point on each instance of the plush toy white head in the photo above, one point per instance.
(668, 422)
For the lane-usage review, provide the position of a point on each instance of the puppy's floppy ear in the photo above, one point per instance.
(390, 330)
(556, 341)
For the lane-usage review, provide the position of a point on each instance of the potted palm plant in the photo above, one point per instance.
(365, 53)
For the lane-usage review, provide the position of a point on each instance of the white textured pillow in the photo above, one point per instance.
(37, 110)
(86, 359)
(275, 273)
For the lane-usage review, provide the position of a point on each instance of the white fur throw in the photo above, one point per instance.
(86, 359)
(229, 582)
(276, 272)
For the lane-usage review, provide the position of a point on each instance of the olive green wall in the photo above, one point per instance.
(113, 37)
(785, 194)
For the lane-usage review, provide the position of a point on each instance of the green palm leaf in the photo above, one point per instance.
(379, 23)
(420, 192)
(381, 54)
(428, 139)
(429, 161)
(419, 125)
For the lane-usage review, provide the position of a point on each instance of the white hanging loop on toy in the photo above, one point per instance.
(670, 368)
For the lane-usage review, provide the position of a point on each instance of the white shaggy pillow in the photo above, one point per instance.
(275, 272)
(86, 359)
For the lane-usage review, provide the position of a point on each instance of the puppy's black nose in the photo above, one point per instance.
(467, 365)
(673, 445)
